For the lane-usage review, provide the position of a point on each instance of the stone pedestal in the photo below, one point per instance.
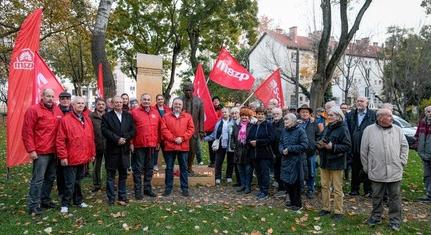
(149, 75)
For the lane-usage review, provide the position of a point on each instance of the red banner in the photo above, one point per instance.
(44, 78)
(271, 89)
(20, 86)
(201, 91)
(229, 73)
(100, 89)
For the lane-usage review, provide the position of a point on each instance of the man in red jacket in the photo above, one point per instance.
(38, 134)
(75, 148)
(145, 142)
(177, 129)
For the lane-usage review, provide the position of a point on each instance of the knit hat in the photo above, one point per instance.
(337, 111)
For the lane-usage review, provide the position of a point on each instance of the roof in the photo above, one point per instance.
(359, 48)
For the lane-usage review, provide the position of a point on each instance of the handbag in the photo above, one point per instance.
(216, 144)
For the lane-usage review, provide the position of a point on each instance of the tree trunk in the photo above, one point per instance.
(317, 92)
(98, 50)
(176, 51)
(194, 43)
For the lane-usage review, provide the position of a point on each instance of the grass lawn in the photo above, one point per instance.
(180, 216)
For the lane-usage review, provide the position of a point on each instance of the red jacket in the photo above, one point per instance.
(40, 127)
(147, 127)
(165, 107)
(75, 140)
(173, 127)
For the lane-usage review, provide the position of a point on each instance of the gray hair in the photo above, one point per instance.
(77, 98)
(427, 108)
(117, 97)
(330, 104)
(277, 110)
(387, 106)
(234, 109)
(337, 111)
(383, 111)
(291, 116)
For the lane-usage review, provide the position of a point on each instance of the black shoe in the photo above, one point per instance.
(240, 190)
(425, 199)
(166, 193)
(296, 208)
(95, 189)
(35, 211)
(354, 193)
(236, 185)
(394, 227)
(337, 217)
(309, 195)
(185, 193)
(138, 197)
(150, 194)
(288, 204)
(373, 222)
(324, 212)
(49, 205)
(211, 165)
(111, 203)
(247, 191)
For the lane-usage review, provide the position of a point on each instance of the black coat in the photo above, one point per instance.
(263, 133)
(117, 156)
(295, 141)
(335, 158)
(357, 131)
(313, 134)
(99, 139)
(278, 127)
(240, 150)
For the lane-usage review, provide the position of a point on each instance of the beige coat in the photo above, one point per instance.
(384, 153)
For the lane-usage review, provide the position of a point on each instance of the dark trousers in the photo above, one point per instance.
(294, 191)
(393, 190)
(142, 164)
(262, 170)
(110, 181)
(43, 176)
(277, 172)
(211, 153)
(97, 182)
(60, 179)
(220, 156)
(245, 174)
(359, 176)
(427, 177)
(169, 171)
(72, 185)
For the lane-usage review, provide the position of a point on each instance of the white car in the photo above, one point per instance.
(409, 130)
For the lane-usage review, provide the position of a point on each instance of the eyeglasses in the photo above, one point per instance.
(64, 98)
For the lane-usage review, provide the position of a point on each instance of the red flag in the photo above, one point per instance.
(100, 90)
(201, 91)
(44, 78)
(229, 73)
(271, 89)
(20, 86)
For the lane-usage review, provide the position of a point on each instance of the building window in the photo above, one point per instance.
(292, 100)
(301, 98)
(380, 82)
(367, 92)
(84, 92)
(293, 57)
(132, 88)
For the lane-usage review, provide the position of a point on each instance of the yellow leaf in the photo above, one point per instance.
(269, 231)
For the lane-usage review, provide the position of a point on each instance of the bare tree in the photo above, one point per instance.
(326, 64)
(347, 68)
(98, 47)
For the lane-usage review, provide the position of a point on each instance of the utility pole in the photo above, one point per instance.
(297, 77)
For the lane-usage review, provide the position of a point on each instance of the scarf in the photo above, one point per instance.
(242, 134)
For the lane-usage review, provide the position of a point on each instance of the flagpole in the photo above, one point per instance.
(248, 98)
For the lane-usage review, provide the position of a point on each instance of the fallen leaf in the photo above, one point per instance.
(197, 227)
(254, 232)
(269, 231)
(316, 227)
(293, 228)
(48, 230)
(145, 229)
(126, 227)
(263, 219)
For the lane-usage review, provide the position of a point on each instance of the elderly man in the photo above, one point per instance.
(75, 148)
(96, 119)
(147, 138)
(118, 129)
(357, 120)
(177, 129)
(423, 136)
(384, 152)
(194, 106)
(38, 134)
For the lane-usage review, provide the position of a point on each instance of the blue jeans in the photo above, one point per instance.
(44, 172)
(72, 185)
(262, 170)
(169, 172)
(110, 181)
(155, 157)
(312, 169)
(245, 175)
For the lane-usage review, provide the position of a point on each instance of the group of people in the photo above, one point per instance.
(63, 139)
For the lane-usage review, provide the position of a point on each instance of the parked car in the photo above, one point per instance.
(409, 130)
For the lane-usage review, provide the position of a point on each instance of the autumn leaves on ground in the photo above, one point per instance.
(216, 210)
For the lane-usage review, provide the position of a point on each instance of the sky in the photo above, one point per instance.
(380, 15)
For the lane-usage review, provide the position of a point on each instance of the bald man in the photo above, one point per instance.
(38, 134)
